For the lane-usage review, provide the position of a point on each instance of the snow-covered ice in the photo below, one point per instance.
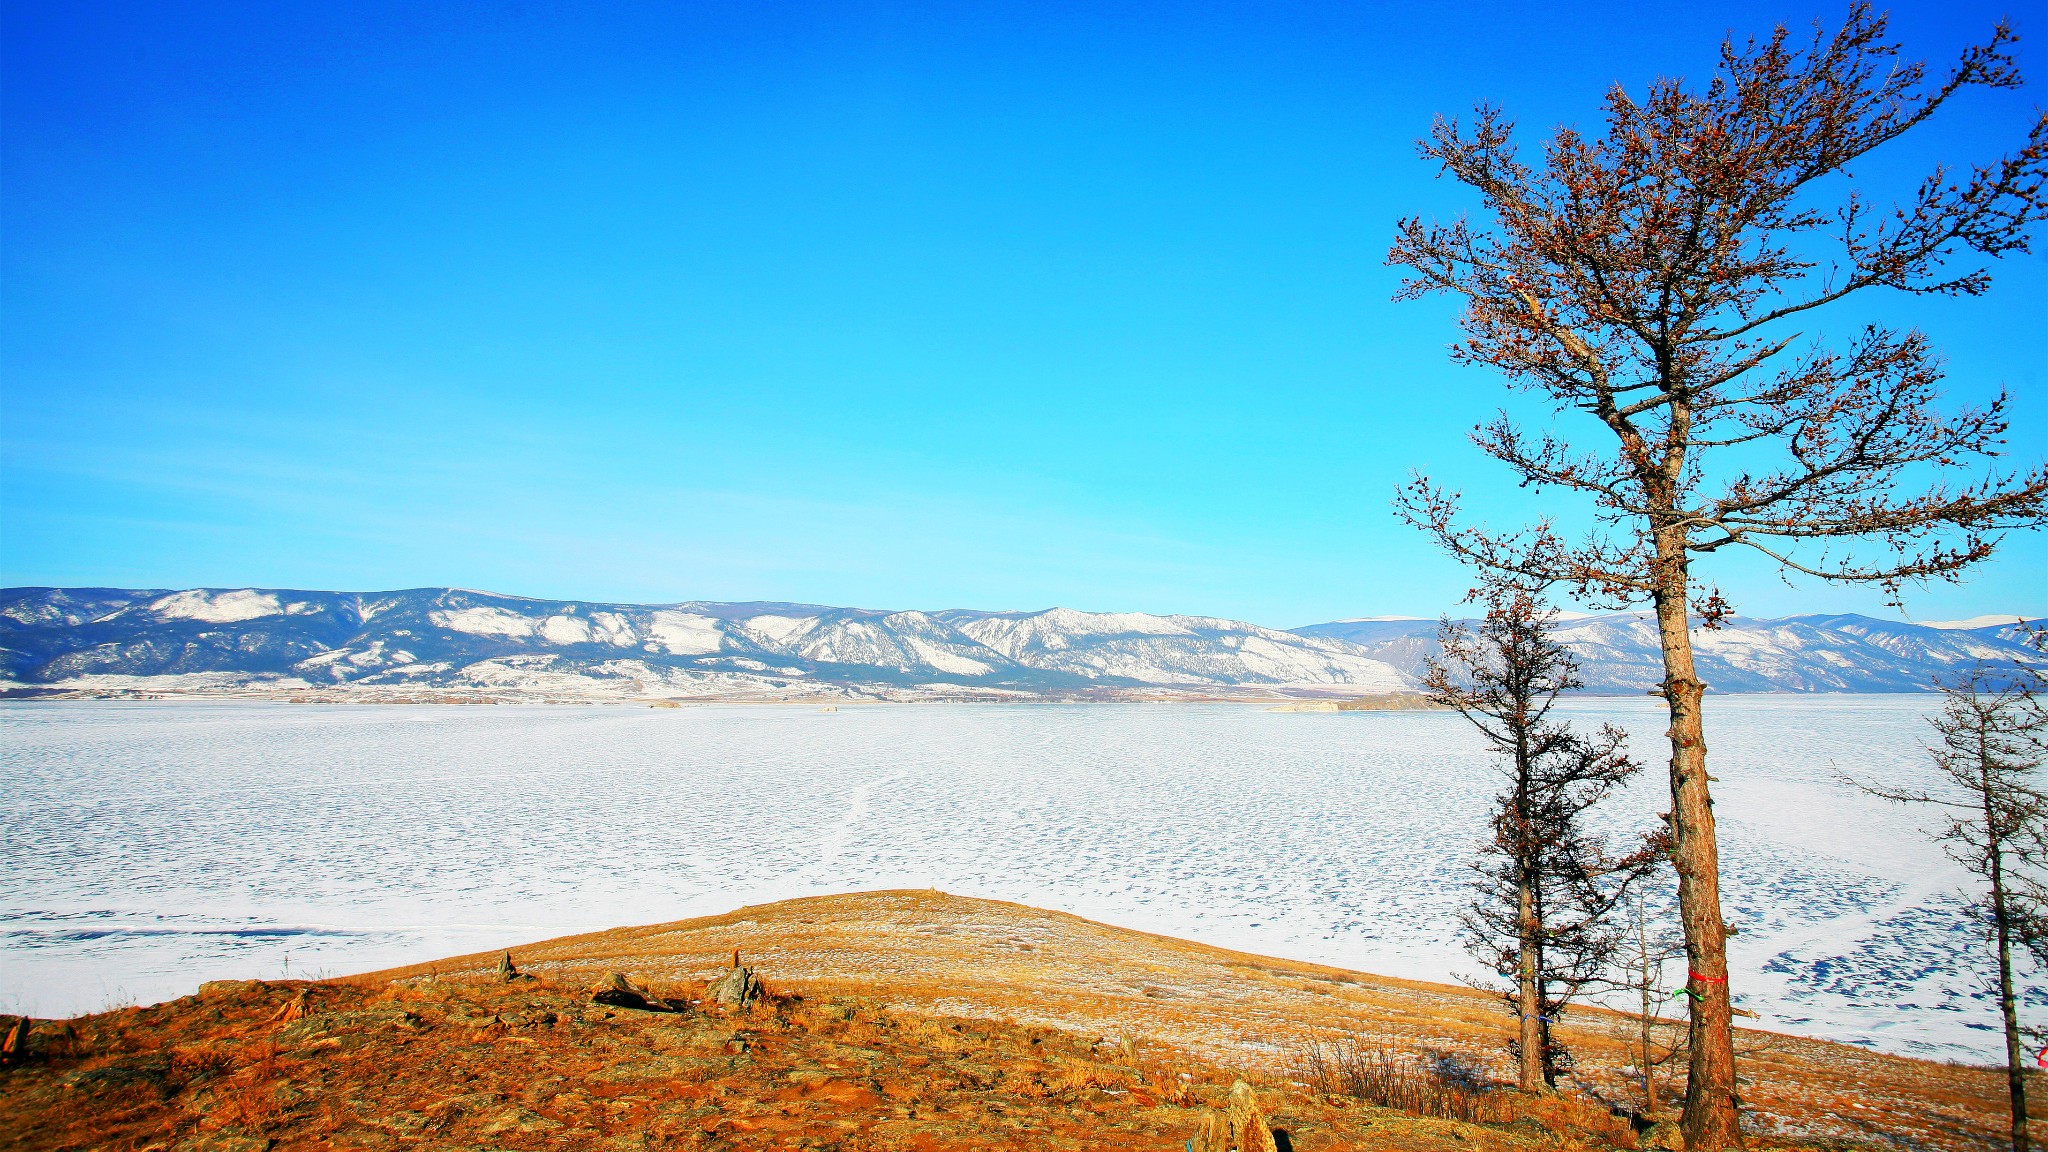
(155, 845)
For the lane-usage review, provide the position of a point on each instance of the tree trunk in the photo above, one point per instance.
(1711, 1118)
(2015, 1070)
(1649, 1069)
(1646, 991)
(1529, 989)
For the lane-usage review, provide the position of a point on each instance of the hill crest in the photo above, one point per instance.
(903, 1020)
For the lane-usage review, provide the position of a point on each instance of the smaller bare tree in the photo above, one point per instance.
(1652, 1030)
(1994, 737)
(1545, 884)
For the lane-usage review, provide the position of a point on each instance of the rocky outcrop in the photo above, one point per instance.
(507, 971)
(616, 991)
(737, 988)
(13, 1040)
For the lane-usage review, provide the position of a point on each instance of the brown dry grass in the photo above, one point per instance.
(933, 952)
(911, 1020)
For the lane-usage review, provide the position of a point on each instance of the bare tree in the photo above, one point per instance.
(1650, 278)
(1545, 883)
(1649, 1031)
(1994, 737)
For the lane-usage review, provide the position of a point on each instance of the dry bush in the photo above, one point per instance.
(1129, 1046)
(1347, 1066)
(929, 1033)
(1079, 1075)
(1568, 1113)
(1441, 1088)
(1167, 1085)
(208, 1058)
(252, 1104)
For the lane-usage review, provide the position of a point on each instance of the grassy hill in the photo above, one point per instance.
(907, 1020)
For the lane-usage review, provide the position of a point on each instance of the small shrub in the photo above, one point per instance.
(1347, 1066)
(1168, 1085)
(1080, 1075)
(210, 1058)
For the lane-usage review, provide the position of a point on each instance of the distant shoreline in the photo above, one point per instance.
(1273, 702)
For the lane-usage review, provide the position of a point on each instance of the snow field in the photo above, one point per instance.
(159, 845)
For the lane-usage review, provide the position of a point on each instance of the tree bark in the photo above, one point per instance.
(1712, 1117)
(1649, 1069)
(2015, 1070)
(1529, 989)
(1645, 1035)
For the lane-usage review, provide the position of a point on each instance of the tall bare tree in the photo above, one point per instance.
(1994, 739)
(1545, 883)
(1650, 279)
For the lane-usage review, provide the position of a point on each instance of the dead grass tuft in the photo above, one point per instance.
(1421, 1085)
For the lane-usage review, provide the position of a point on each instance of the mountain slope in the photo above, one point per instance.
(1841, 653)
(449, 639)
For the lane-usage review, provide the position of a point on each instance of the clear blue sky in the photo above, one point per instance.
(893, 305)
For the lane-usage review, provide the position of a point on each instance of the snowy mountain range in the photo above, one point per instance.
(1619, 652)
(425, 643)
(443, 643)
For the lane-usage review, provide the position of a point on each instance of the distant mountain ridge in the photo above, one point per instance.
(438, 640)
(1619, 652)
(433, 642)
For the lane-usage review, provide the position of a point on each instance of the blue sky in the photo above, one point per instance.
(892, 305)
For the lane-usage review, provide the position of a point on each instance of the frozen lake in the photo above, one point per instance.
(151, 846)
